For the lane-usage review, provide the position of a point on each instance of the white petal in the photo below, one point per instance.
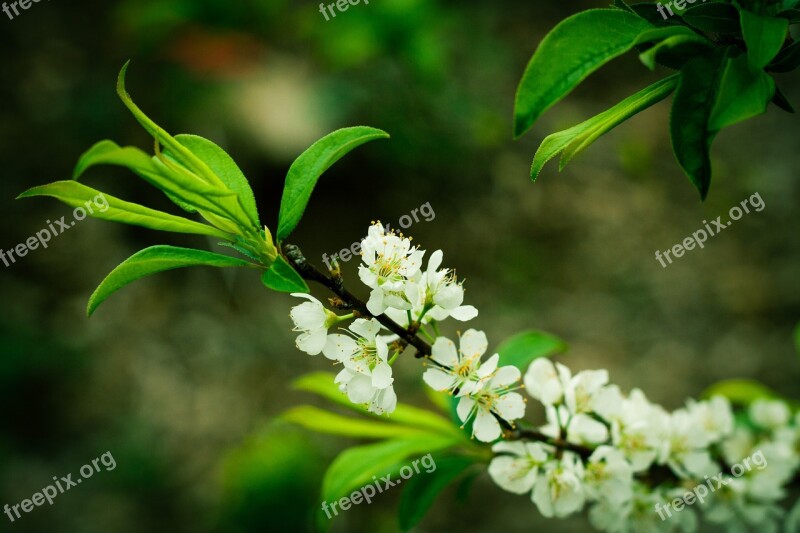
(485, 428)
(375, 304)
(382, 375)
(464, 408)
(450, 296)
(464, 313)
(312, 342)
(339, 347)
(435, 261)
(488, 367)
(444, 352)
(438, 380)
(505, 376)
(366, 328)
(513, 474)
(510, 406)
(473, 343)
(359, 389)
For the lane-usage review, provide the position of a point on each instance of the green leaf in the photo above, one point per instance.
(741, 392)
(688, 44)
(322, 421)
(582, 135)
(781, 101)
(307, 169)
(792, 15)
(182, 154)
(787, 60)
(153, 260)
(355, 467)
(764, 37)
(523, 348)
(226, 169)
(691, 111)
(577, 47)
(282, 277)
(742, 94)
(322, 384)
(422, 490)
(715, 18)
(623, 5)
(76, 194)
(183, 188)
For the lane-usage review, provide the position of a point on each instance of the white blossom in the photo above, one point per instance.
(362, 352)
(459, 369)
(312, 320)
(494, 395)
(560, 492)
(391, 268)
(518, 468)
(769, 414)
(360, 389)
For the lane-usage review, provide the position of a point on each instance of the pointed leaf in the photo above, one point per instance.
(690, 44)
(715, 18)
(322, 383)
(283, 278)
(156, 259)
(322, 421)
(781, 101)
(742, 94)
(355, 467)
(226, 169)
(76, 194)
(691, 111)
(577, 47)
(421, 491)
(307, 169)
(181, 153)
(556, 143)
(764, 37)
(523, 348)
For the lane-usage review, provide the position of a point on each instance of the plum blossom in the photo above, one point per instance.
(360, 389)
(459, 370)
(312, 320)
(560, 492)
(493, 397)
(362, 352)
(517, 467)
(391, 268)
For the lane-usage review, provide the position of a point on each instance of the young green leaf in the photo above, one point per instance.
(184, 189)
(153, 260)
(742, 94)
(307, 169)
(740, 391)
(580, 136)
(322, 421)
(686, 46)
(787, 60)
(282, 277)
(577, 47)
(181, 153)
(355, 467)
(692, 106)
(226, 169)
(322, 384)
(715, 18)
(421, 491)
(76, 194)
(523, 348)
(764, 37)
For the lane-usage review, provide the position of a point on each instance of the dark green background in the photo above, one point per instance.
(180, 376)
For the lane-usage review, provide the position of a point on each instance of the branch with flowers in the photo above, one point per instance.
(615, 454)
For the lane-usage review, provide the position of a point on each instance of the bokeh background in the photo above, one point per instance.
(182, 376)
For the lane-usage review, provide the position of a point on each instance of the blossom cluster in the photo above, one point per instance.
(619, 455)
(626, 438)
(414, 298)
